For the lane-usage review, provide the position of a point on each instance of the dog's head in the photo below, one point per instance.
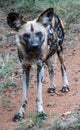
(32, 34)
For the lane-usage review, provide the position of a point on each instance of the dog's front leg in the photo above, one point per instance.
(20, 114)
(40, 74)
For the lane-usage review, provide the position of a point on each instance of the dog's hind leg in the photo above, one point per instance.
(65, 87)
(51, 76)
(20, 114)
(40, 74)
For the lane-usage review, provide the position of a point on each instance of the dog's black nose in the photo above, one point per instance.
(35, 46)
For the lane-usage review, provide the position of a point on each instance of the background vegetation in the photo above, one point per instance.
(68, 10)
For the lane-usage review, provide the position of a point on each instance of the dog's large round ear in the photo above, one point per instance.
(46, 16)
(15, 20)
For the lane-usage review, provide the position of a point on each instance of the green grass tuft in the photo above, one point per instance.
(33, 122)
(5, 103)
(7, 70)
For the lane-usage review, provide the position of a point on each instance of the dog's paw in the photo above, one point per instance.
(42, 115)
(65, 89)
(51, 90)
(18, 117)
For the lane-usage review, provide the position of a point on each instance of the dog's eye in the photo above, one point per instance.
(26, 36)
(39, 34)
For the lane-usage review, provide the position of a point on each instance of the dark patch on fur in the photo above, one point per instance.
(32, 28)
(63, 68)
(24, 105)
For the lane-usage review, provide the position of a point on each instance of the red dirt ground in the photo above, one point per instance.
(54, 105)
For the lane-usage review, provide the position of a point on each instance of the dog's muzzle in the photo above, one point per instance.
(35, 47)
(33, 43)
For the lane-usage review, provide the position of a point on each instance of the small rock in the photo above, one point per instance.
(66, 113)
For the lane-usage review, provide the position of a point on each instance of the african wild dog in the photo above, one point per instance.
(37, 41)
